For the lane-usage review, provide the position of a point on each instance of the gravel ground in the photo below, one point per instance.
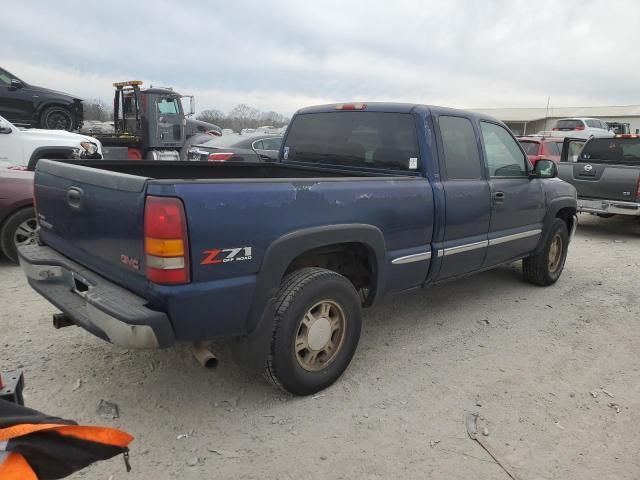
(534, 362)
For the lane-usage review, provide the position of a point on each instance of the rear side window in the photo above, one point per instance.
(365, 139)
(552, 148)
(569, 124)
(593, 124)
(461, 157)
(271, 143)
(530, 148)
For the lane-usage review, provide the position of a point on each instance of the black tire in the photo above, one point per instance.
(57, 118)
(10, 229)
(540, 269)
(299, 292)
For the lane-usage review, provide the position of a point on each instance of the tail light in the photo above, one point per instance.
(555, 129)
(166, 242)
(220, 157)
(351, 106)
(579, 129)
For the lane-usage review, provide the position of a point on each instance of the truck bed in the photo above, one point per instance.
(223, 171)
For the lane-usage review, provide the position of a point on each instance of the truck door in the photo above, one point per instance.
(517, 201)
(467, 197)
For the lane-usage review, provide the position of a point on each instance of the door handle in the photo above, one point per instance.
(74, 197)
(498, 197)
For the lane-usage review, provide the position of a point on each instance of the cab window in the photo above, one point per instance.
(5, 78)
(168, 106)
(504, 157)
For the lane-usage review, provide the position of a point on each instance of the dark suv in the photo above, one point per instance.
(30, 106)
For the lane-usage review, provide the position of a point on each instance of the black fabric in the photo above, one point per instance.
(14, 414)
(53, 456)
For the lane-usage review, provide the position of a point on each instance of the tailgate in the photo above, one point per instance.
(94, 217)
(602, 181)
(593, 175)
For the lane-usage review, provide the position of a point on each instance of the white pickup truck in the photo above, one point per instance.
(24, 147)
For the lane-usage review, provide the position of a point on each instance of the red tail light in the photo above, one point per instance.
(220, 157)
(351, 106)
(166, 242)
(579, 129)
(555, 129)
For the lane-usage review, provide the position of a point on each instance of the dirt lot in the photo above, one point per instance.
(532, 361)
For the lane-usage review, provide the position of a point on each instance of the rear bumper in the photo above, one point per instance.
(609, 207)
(94, 303)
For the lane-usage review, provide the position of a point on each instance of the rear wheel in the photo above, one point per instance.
(317, 328)
(57, 118)
(546, 267)
(19, 229)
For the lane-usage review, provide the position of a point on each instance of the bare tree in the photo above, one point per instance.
(94, 109)
(242, 116)
(212, 116)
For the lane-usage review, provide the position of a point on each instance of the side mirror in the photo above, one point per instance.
(192, 105)
(545, 169)
(4, 127)
(16, 84)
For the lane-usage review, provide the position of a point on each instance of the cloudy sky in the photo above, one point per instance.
(284, 54)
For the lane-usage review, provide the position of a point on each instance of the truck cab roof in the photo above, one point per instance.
(392, 107)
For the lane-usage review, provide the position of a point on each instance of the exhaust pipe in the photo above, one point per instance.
(205, 357)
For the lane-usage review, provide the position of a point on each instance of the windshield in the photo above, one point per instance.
(168, 106)
(612, 150)
(530, 148)
(365, 139)
(569, 124)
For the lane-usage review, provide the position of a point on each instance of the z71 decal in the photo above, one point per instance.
(215, 255)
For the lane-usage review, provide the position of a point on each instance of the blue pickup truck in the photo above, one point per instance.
(365, 200)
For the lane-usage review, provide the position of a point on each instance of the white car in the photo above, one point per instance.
(24, 147)
(581, 128)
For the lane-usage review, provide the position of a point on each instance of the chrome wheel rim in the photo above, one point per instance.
(26, 233)
(555, 252)
(320, 335)
(59, 120)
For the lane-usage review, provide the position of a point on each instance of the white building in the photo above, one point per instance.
(528, 121)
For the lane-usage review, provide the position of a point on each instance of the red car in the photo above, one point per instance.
(17, 216)
(539, 148)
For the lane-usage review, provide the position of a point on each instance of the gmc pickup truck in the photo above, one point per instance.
(605, 172)
(366, 200)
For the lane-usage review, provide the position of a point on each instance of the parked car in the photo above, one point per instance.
(30, 106)
(619, 128)
(18, 224)
(25, 147)
(606, 174)
(582, 128)
(366, 200)
(539, 148)
(237, 148)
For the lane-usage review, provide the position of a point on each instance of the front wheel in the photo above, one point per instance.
(546, 267)
(317, 328)
(19, 229)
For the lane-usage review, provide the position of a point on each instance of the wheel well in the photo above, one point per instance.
(567, 215)
(355, 261)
